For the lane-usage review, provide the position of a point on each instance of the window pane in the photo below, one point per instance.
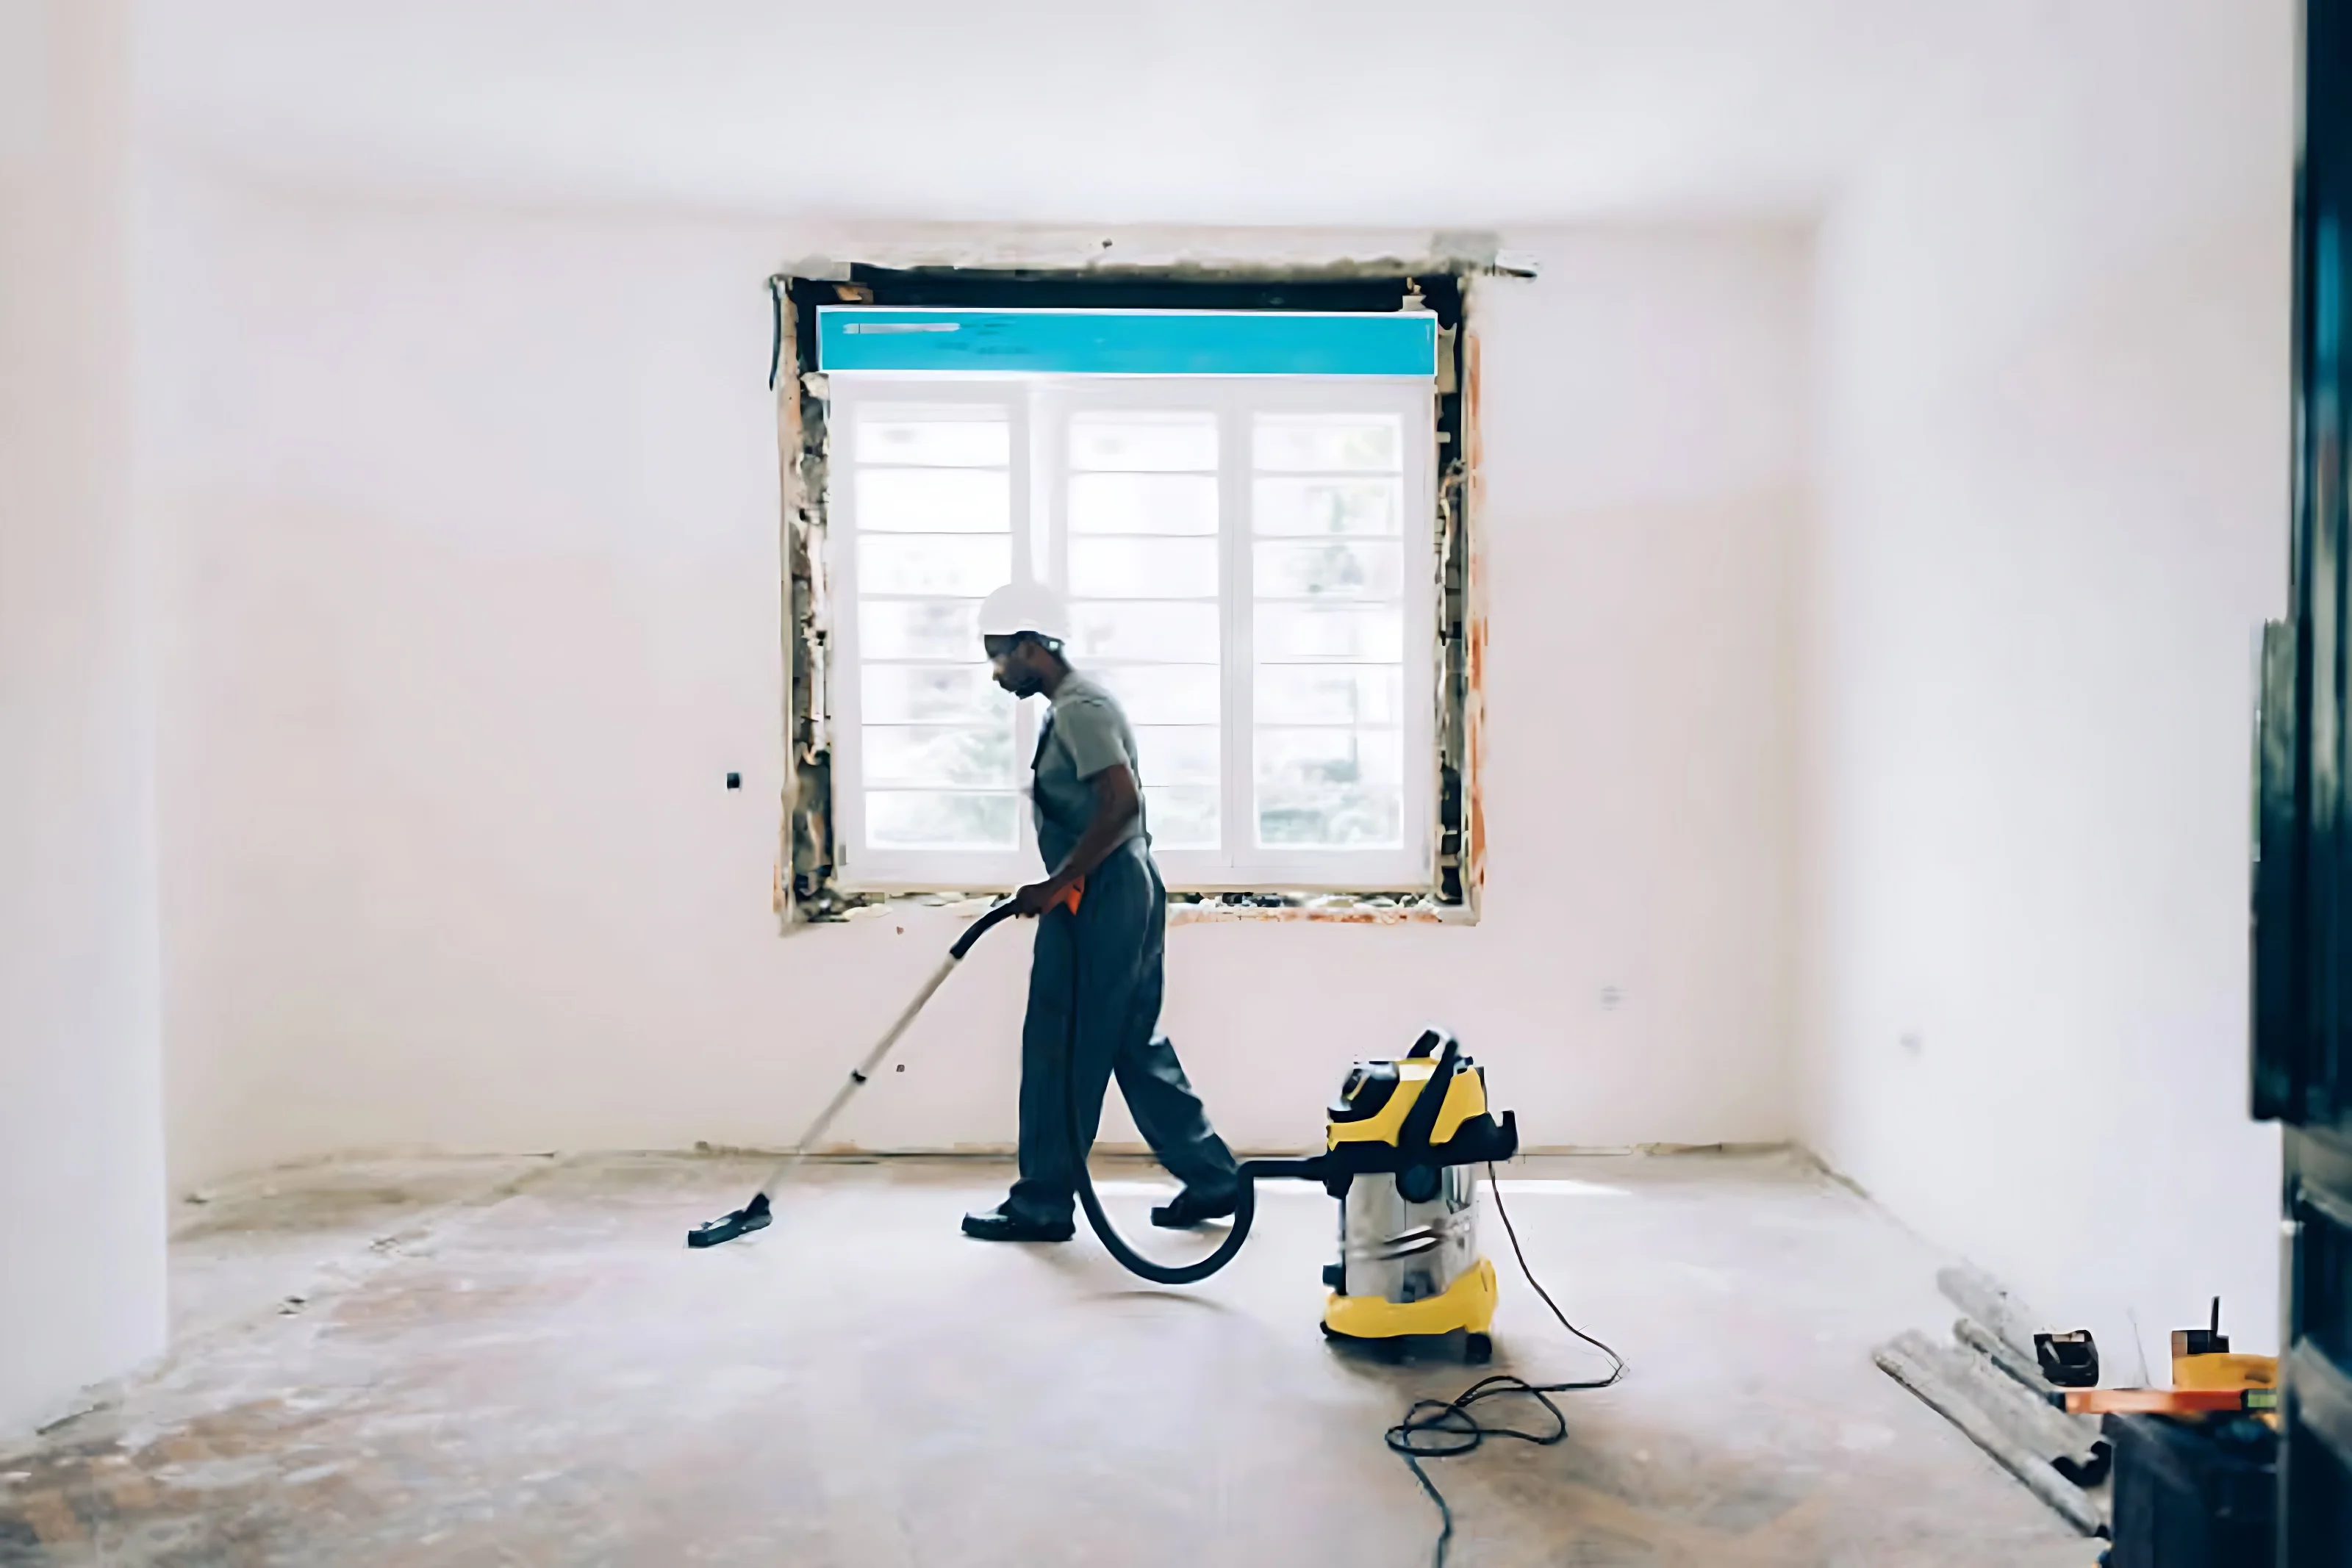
(1343, 817)
(1368, 634)
(1181, 819)
(1349, 568)
(929, 563)
(967, 757)
(934, 501)
(1326, 506)
(1177, 753)
(1330, 788)
(1145, 439)
(1143, 503)
(1331, 693)
(1138, 569)
(1312, 759)
(946, 629)
(1329, 442)
(935, 820)
(939, 436)
(933, 693)
(1163, 694)
(1140, 629)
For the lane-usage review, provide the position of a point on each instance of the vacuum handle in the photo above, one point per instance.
(1421, 1121)
(1004, 912)
(980, 929)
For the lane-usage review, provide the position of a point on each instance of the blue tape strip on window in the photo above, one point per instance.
(1129, 342)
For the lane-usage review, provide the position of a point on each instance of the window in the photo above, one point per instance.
(1250, 563)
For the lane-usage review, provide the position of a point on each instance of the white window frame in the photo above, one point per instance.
(1037, 409)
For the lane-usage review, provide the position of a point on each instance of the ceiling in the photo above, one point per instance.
(1243, 111)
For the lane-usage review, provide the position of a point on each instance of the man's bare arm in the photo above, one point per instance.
(1116, 801)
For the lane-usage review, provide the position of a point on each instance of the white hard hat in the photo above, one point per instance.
(1030, 607)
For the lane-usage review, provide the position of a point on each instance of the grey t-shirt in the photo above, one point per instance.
(1085, 732)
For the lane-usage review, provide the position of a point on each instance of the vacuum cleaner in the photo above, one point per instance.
(1402, 1143)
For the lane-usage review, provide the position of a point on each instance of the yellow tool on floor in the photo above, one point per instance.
(2201, 1358)
(2203, 1361)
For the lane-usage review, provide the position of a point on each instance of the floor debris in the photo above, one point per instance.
(546, 1376)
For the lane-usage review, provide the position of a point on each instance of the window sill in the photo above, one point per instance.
(1336, 908)
(1183, 908)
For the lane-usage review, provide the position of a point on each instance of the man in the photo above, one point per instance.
(1103, 960)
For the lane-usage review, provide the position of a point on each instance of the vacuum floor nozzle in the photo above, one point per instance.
(752, 1215)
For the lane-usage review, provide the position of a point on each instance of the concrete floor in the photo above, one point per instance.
(483, 1363)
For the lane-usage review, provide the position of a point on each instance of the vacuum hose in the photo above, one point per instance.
(1081, 1144)
(1074, 1127)
(1245, 1207)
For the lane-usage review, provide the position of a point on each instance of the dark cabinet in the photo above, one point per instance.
(2303, 875)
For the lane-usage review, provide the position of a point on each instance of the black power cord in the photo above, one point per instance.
(1446, 1429)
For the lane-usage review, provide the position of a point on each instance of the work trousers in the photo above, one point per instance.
(1104, 962)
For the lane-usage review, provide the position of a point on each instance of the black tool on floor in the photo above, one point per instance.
(2068, 1360)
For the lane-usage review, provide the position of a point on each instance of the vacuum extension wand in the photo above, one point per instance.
(755, 1215)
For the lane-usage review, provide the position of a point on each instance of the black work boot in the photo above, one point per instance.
(997, 1225)
(1192, 1207)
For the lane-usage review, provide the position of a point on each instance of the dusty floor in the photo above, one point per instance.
(474, 1365)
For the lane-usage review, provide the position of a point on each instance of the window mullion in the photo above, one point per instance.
(1057, 526)
(1035, 483)
(1042, 519)
(1235, 743)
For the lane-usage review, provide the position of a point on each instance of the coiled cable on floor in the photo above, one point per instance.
(1447, 1428)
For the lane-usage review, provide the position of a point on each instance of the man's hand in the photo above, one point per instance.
(1034, 900)
(1117, 799)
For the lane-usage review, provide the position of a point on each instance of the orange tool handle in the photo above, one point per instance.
(2168, 1401)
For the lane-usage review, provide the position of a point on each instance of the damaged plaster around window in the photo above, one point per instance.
(1155, 271)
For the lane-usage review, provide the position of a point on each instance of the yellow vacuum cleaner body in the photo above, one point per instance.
(1403, 1147)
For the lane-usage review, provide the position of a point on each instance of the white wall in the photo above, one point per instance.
(476, 602)
(2054, 472)
(82, 1193)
